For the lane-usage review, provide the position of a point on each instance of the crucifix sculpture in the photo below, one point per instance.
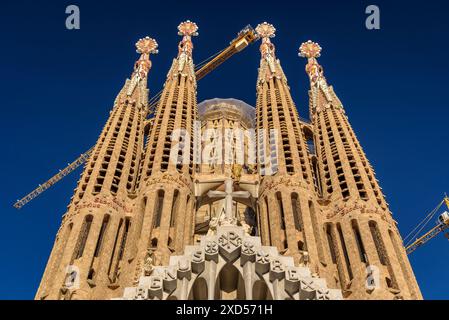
(229, 194)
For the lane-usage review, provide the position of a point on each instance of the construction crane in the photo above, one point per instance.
(244, 38)
(415, 241)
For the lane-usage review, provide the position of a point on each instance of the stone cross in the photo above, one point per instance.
(229, 195)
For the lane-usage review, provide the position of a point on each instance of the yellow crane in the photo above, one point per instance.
(244, 38)
(415, 241)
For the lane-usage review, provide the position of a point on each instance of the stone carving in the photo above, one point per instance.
(152, 259)
(246, 227)
(148, 266)
(229, 216)
(231, 247)
(236, 172)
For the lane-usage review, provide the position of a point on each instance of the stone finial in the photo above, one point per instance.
(188, 28)
(312, 50)
(266, 30)
(309, 50)
(147, 45)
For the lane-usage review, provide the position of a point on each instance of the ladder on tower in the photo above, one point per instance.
(244, 38)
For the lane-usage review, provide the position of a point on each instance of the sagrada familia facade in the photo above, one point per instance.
(299, 216)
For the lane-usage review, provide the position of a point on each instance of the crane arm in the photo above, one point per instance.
(426, 237)
(61, 174)
(243, 39)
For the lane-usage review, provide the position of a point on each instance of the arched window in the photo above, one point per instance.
(154, 243)
(82, 239)
(267, 215)
(334, 251)
(139, 218)
(358, 240)
(281, 210)
(101, 235)
(316, 232)
(402, 263)
(345, 252)
(331, 244)
(174, 208)
(158, 209)
(378, 242)
(297, 214)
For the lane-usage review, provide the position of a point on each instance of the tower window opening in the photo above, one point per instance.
(281, 210)
(297, 215)
(158, 209)
(378, 242)
(358, 239)
(83, 236)
(101, 236)
(174, 208)
(345, 252)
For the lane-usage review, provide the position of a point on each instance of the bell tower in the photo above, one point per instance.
(368, 258)
(287, 204)
(165, 219)
(87, 256)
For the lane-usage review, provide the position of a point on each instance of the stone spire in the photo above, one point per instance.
(318, 84)
(176, 112)
(288, 215)
(87, 255)
(350, 175)
(363, 239)
(164, 223)
(145, 47)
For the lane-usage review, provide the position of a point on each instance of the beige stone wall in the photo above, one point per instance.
(322, 208)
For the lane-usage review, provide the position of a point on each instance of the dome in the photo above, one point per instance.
(248, 113)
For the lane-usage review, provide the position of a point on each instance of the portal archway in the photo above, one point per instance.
(198, 290)
(230, 284)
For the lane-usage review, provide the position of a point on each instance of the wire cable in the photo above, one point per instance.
(412, 234)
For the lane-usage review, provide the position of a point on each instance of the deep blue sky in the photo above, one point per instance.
(57, 87)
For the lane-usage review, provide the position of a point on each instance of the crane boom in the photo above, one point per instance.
(443, 224)
(61, 174)
(244, 38)
(426, 237)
